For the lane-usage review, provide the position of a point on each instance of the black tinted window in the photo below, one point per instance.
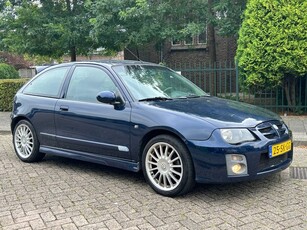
(48, 84)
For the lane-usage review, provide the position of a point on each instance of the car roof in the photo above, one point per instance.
(110, 62)
(106, 63)
(122, 62)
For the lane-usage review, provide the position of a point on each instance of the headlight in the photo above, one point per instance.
(236, 136)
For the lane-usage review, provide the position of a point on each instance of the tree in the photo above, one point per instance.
(56, 27)
(46, 27)
(228, 16)
(118, 24)
(14, 60)
(272, 47)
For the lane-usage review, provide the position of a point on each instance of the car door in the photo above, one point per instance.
(86, 126)
(40, 96)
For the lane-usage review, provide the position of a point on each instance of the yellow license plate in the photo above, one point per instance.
(279, 149)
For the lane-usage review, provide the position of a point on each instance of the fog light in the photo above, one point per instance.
(238, 168)
(236, 165)
(236, 157)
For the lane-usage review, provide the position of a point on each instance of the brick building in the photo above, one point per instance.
(192, 59)
(192, 51)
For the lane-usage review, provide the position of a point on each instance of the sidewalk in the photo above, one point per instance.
(5, 122)
(298, 125)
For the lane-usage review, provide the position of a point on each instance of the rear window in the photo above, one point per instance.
(47, 84)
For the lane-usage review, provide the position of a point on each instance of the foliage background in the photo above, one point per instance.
(8, 89)
(273, 41)
(8, 71)
(272, 45)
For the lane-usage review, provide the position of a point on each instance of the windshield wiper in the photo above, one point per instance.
(189, 96)
(156, 99)
(192, 96)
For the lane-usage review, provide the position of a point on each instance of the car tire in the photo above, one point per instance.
(167, 166)
(25, 142)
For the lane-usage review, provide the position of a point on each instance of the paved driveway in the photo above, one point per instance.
(60, 193)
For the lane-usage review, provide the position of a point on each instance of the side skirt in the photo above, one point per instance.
(109, 161)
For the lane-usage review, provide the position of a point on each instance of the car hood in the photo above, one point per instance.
(220, 112)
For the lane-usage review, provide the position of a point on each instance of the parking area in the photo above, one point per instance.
(60, 193)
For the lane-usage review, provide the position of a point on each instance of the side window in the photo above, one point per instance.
(86, 82)
(47, 84)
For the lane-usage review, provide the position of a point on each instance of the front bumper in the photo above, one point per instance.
(210, 166)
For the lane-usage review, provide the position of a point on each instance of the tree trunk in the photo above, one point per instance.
(211, 46)
(73, 54)
(290, 91)
(138, 54)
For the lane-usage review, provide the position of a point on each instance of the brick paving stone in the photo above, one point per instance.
(47, 216)
(26, 228)
(113, 224)
(60, 193)
(15, 226)
(133, 223)
(173, 226)
(56, 228)
(6, 220)
(79, 221)
(154, 221)
(5, 213)
(120, 216)
(226, 226)
(58, 223)
(37, 224)
(69, 227)
(26, 218)
(190, 224)
(133, 228)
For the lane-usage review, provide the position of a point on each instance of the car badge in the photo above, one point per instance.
(275, 127)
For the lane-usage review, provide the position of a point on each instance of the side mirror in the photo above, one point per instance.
(109, 97)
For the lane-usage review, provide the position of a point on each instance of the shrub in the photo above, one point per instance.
(8, 89)
(8, 72)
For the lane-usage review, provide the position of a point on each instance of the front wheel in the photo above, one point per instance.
(26, 143)
(167, 166)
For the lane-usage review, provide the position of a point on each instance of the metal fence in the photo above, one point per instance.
(222, 79)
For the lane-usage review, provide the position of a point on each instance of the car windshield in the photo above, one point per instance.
(147, 82)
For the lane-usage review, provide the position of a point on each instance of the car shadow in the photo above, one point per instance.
(88, 167)
(254, 189)
(220, 192)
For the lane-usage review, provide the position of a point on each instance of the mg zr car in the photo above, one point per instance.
(142, 116)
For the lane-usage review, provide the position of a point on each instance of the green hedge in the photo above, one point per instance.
(8, 89)
(8, 72)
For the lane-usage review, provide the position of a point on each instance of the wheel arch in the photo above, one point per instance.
(156, 132)
(15, 121)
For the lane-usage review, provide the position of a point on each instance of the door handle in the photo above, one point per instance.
(64, 108)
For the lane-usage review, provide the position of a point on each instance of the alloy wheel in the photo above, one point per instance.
(164, 166)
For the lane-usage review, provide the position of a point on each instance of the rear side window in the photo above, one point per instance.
(47, 84)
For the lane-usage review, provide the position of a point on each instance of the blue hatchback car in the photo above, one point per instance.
(142, 116)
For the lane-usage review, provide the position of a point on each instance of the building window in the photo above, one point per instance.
(202, 38)
(188, 41)
(196, 42)
(176, 42)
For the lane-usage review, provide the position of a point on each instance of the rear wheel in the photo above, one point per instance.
(26, 143)
(167, 166)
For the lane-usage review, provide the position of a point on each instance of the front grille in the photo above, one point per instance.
(272, 129)
(267, 162)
